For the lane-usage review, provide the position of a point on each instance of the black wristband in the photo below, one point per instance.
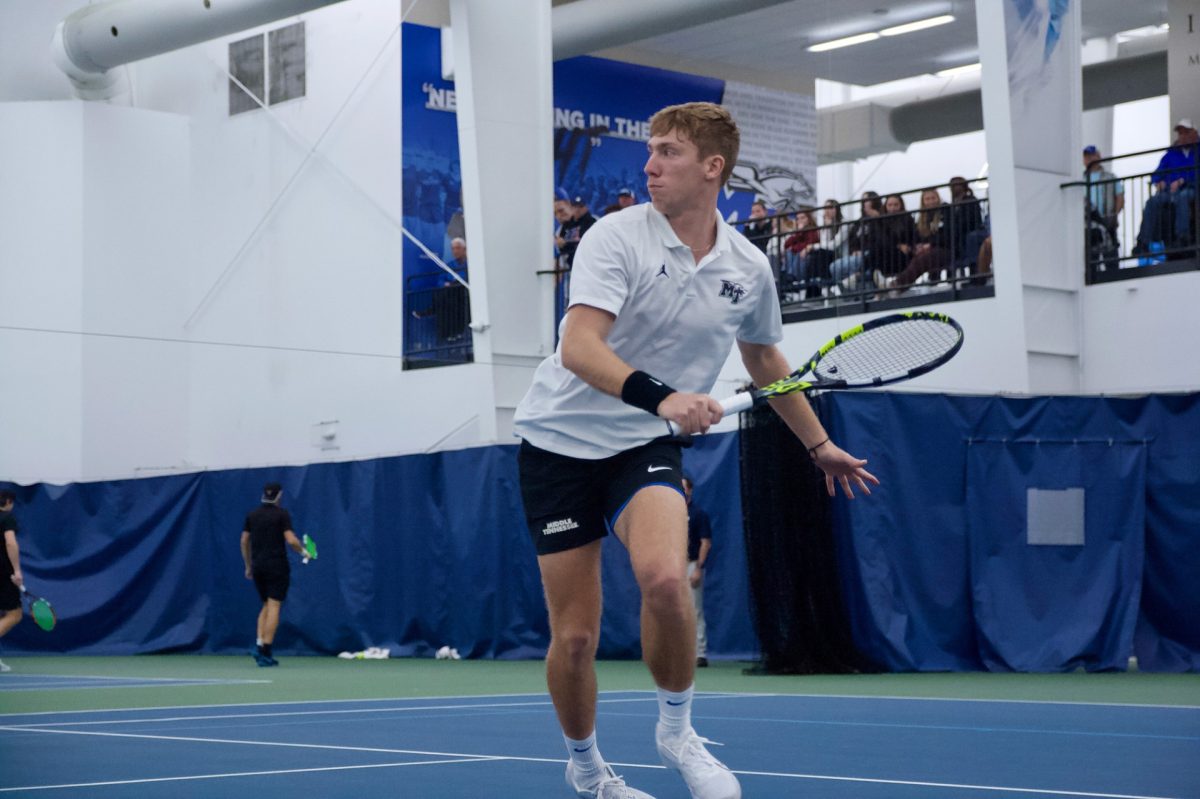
(645, 392)
(812, 451)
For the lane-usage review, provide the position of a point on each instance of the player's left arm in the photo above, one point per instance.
(245, 545)
(766, 364)
(289, 536)
(14, 557)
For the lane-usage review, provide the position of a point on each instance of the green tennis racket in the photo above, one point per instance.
(310, 548)
(40, 609)
(877, 352)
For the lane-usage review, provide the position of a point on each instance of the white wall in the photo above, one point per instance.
(280, 264)
(1139, 336)
(120, 220)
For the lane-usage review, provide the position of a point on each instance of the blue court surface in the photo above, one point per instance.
(825, 747)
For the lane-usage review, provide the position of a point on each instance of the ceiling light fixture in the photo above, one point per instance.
(963, 70)
(846, 42)
(895, 30)
(919, 25)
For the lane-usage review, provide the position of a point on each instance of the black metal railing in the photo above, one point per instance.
(437, 321)
(562, 293)
(1141, 224)
(879, 260)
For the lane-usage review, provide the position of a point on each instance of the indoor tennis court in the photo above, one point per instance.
(821, 372)
(1108, 736)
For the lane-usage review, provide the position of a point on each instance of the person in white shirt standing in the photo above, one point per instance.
(660, 293)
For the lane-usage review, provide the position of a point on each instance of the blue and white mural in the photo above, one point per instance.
(601, 123)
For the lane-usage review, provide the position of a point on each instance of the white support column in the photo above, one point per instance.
(503, 77)
(1032, 109)
(1183, 59)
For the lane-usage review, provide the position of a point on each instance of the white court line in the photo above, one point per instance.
(240, 774)
(957, 786)
(290, 713)
(288, 702)
(869, 698)
(462, 757)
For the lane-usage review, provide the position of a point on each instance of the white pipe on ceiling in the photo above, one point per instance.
(96, 39)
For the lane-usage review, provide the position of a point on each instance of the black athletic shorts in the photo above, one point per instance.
(271, 584)
(10, 595)
(570, 502)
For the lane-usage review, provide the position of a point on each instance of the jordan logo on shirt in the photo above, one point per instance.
(662, 272)
(734, 291)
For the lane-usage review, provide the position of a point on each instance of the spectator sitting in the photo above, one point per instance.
(932, 253)
(892, 239)
(974, 252)
(806, 236)
(966, 218)
(845, 269)
(814, 261)
(625, 198)
(759, 228)
(1166, 216)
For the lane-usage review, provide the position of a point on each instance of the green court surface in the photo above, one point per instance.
(328, 678)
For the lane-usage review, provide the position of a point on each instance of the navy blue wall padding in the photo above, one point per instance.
(1055, 607)
(906, 561)
(415, 552)
(426, 550)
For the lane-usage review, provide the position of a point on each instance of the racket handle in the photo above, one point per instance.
(729, 406)
(743, 401)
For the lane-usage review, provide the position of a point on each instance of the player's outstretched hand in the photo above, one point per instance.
(692, 414)
(842, 467)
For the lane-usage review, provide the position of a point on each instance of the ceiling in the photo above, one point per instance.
(768, 45)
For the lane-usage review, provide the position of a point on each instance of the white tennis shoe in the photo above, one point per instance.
(4, 667)
(610, 786)
(706, 777)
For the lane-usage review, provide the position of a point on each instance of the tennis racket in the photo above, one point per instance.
(310, 548)
(878, 352)
(41, 610)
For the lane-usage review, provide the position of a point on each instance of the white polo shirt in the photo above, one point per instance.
(675, 319)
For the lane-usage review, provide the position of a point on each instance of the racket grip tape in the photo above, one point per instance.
(729, 406)
(743, 401)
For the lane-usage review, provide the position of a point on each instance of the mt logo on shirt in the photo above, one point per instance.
(734, 291)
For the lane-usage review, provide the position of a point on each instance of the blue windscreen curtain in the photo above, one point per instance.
(1055, 606)
(429, 550)
(945, 529)
(416, 552)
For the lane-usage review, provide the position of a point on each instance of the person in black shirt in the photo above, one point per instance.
(265, 534)
(10, 570)
(572, 230)
(699, 545)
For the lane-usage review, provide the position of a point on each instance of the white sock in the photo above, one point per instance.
(258, 642)
(675, 710)
(585, 755)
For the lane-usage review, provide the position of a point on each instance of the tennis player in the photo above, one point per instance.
(11, 578)
(267, 530)
(659, 294)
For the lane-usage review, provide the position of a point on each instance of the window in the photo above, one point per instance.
(270, 67)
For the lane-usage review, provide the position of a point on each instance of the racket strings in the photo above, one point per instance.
(888, 351)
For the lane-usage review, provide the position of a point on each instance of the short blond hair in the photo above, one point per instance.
(707, 125)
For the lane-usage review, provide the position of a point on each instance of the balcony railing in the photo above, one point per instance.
(437, 321)
(879, 260)
(1138, 225)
